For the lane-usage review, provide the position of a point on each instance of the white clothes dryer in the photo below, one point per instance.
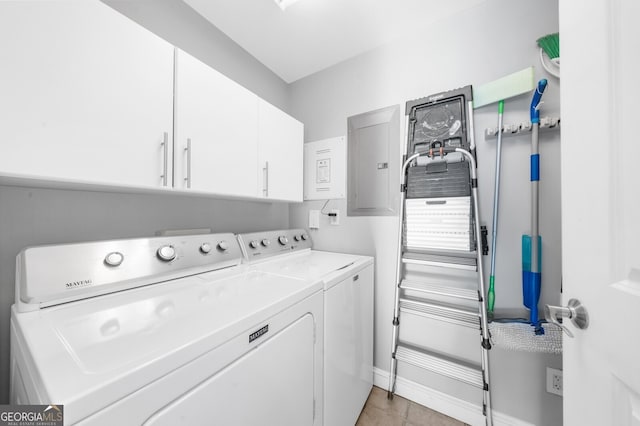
(165, 331)
(348, 312)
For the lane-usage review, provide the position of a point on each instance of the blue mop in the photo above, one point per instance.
(532, 244)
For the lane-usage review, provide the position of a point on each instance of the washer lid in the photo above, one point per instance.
(92, 352)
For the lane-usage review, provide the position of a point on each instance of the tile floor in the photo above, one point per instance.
(379, 411)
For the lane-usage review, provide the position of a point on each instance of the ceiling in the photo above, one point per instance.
(312, 35)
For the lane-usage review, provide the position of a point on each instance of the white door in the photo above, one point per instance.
(600, 53)
(86, 94)
(280, 149)
(216, 123)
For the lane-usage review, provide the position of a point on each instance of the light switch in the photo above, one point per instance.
(314, 219)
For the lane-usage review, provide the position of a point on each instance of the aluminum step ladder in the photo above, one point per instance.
(452, 291)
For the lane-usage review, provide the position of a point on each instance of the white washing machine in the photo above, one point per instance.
(348, 312)
(165, 331)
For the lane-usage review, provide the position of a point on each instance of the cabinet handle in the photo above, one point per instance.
(265, 171)
(165, 146)
(188, 152)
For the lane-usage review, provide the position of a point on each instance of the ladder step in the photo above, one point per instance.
(441, 312)
(456, 369)
(440, 289)
(421, 252)
(455, 262)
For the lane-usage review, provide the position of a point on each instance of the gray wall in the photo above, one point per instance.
(31, 216)
(475, 47)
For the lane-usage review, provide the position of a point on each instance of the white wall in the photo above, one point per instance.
(31, 216)
(475, 47)
(180, 25)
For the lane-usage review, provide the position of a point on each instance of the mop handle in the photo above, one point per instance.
(535, 101)
(535, 173)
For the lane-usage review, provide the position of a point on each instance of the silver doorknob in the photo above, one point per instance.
(574, 311)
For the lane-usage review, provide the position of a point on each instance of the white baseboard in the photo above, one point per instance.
(446, 404)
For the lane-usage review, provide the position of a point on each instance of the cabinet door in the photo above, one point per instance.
(216, 131)
(280, 147)
(86, 94)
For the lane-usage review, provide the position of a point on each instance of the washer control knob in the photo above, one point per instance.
(296, 237)
(304, 237)
(265, 242)
(205, 248)
(114, 258)
(166, 253)
(223, 246)
(253, 244)
(283, 240)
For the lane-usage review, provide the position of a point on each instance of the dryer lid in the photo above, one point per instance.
(315, 265)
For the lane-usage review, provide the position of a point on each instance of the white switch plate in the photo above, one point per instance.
(314, 219)
(334, 220)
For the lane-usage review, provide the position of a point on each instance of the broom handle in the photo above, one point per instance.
(491, 295)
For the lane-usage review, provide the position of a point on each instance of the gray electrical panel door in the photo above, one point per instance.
(373, 158)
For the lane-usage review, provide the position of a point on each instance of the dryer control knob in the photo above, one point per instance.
(265, 242)
(114, 258)
(254, 244)
(166, 253)
(296, 237)
(223, 246)
(304, 237)
(205, 248)
(283, 240)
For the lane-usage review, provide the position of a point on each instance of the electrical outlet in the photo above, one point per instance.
(554, 381)
(334, 218)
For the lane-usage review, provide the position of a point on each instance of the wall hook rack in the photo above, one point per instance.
(546, 124)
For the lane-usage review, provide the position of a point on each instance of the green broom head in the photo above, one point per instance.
(551, 45)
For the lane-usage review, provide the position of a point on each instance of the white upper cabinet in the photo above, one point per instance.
(216, 130)
(229, 141)
(86, 95)
(280, 154)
